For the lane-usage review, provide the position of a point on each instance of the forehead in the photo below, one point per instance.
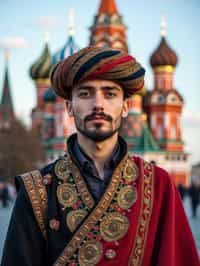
(98, 84)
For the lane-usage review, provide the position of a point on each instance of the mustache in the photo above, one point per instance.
(99, 114)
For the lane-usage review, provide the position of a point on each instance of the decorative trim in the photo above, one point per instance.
(38, 197)
(167, 68)
(147, 196)
(93, 218)
(43, 82)
(82, 187)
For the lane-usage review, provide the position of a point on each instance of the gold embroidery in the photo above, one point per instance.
(62, 169)
(82, 187)
(74, 218)
(144, 216)
(130, 172)
(90, 253)
(92, 219)
(38, 197)
(114, 226)
(127, 197)
(67, 195)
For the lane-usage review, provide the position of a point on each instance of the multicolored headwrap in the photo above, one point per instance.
(98, 63)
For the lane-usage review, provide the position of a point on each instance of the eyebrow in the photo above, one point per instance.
(103, 88)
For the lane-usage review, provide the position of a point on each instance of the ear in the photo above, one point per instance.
(125, 109)
(69, 107)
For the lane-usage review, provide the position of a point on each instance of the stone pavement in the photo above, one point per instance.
(194, 223)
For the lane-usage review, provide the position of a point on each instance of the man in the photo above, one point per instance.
(98, 205)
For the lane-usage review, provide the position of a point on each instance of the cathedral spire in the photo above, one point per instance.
(108, 7)
(163, 26)
(71, 23)
(6, 104)
(108, 29)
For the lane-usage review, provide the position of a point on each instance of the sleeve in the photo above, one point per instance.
(173, 243)
(24, 244)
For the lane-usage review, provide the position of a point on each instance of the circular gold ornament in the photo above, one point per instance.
(90, 253)
(126, 197)
(67, 195)
(130, 172)
(114, 226)
(62, 169)
(74, 218)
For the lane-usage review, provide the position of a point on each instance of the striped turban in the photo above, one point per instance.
(97, 63)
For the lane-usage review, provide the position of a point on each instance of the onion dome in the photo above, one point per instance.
(49, 96)
(41, 68)
(68, 49)
(163, 55)
(70, 46)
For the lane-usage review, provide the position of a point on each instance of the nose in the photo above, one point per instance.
(98, 104)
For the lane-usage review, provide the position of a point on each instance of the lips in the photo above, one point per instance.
(98, 117)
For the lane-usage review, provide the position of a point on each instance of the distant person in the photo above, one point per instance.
(5, 196)
(181, 190)
(98, 205)
(194, 193)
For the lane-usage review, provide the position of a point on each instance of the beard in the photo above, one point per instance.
(97, 134)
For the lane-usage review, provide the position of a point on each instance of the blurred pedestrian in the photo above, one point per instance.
(181, 190)
(194, 193)
(5, 196)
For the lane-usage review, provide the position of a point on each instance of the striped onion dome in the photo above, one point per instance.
(68, 49)
(49, 95)
(41, 68)
(163, 55)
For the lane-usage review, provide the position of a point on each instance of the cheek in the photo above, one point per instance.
(116, 110)
(80, 108)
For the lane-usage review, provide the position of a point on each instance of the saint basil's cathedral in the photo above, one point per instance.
(152, 129)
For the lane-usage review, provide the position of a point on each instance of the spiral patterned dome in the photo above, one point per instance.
(49, 96)
(41, 68)
(163, 55)
(68, 49)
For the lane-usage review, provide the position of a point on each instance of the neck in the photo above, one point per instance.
(99, 152)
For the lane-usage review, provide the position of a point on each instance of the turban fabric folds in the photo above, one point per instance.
(97, 63)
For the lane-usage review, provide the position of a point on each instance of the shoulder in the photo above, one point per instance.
(35, 176)
(161, 178)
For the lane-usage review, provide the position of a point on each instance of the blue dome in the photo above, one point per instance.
(49, 95)
(68, 49)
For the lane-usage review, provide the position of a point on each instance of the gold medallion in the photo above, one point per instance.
(114, 226)
(126, 197)
(67, 195)
(74, 218)
(90, 253)
(62, 169)
(130, 171)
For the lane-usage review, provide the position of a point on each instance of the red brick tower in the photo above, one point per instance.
(164, 106)
(108, 29)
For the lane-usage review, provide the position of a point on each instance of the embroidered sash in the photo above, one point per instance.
(143, 219)
(38, 197)
(93, 217)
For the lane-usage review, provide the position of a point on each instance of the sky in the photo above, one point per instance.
(23, 25)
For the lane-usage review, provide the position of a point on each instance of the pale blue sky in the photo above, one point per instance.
(19, 18)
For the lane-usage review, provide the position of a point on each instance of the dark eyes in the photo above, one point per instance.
(84, 94)
(107, 94)
(110, 94)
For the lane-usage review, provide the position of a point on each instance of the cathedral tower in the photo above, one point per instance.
(6, 103)
(108, 29)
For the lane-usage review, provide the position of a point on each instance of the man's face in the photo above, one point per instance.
(97, 107)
